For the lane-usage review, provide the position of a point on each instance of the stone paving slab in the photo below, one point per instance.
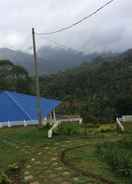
(28, 178)
(35, 182)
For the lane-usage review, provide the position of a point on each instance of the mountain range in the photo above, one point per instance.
(54, 59)
(50, 60)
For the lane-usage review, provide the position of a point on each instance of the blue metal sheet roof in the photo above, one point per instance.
(18, 107)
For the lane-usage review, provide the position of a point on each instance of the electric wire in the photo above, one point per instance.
(78, 22)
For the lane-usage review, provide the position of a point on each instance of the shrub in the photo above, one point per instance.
(69, 129)
(13, 168)
(4, 179)
(105, 128)
(117, 158)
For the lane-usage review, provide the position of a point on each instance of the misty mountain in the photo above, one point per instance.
(50, 60)
(60, 59)
(19, 58)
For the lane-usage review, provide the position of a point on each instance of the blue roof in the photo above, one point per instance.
(19, 107)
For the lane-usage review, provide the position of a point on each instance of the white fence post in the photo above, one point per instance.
(25, 124)
(9, 124)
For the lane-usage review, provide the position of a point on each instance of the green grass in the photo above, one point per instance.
(41, 156)
(88, 160)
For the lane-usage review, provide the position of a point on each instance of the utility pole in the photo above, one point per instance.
(38, 103)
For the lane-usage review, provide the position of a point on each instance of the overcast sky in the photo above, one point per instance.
(109, 30)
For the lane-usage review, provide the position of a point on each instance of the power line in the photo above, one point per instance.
(78, 22)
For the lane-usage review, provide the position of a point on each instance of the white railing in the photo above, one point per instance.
(60, 121)
(18, 123)
(126, 118)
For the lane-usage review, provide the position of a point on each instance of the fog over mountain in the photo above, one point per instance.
(50, 60)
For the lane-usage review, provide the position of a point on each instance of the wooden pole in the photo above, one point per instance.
(38, 103)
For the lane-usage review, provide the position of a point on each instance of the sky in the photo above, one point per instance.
(109, 30)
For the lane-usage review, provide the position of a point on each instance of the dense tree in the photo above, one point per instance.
(124, 106)
(13, 77)
(97, 85)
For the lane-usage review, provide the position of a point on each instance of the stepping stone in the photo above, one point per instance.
(55, 163)
(49, 153)
(27, 152)
(76, 179)
(55, 154)
(54, 159)
(46, 148)
(48, 171)
(53, 175)
(35, 182)
(26, 173)
(27, 146)
(40, 153)
(45, 168)
(54, 148)
(28, 178)
(68, 141)
(66, 173)
(38, 162)
(56, 143)
(45, 163)
(59, 168)
(59, 180)
(28, 166)
(23, 150)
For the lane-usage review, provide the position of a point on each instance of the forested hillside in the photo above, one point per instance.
(14, 77)
(100, 88)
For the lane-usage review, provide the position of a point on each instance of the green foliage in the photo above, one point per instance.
(98, 85)
(117, 157)
(87, 117)
(14, 77)
(106, 128)
(4, 179)
(123, 105)
(13, 168)
(69, 129)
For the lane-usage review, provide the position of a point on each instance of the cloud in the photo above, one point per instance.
(108, 30)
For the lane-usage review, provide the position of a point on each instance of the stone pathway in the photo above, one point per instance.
(44, 165)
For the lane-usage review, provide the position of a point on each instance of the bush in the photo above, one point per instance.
(93, 125)
(105, 128)
(4, 179)
(116, 157)
(69, 129)
(13, 168)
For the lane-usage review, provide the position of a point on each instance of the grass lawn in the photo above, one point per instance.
(40, 157)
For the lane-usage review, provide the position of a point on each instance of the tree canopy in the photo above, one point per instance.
(13, 77)
(99, 85)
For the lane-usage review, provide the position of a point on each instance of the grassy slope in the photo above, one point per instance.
(17, 144)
